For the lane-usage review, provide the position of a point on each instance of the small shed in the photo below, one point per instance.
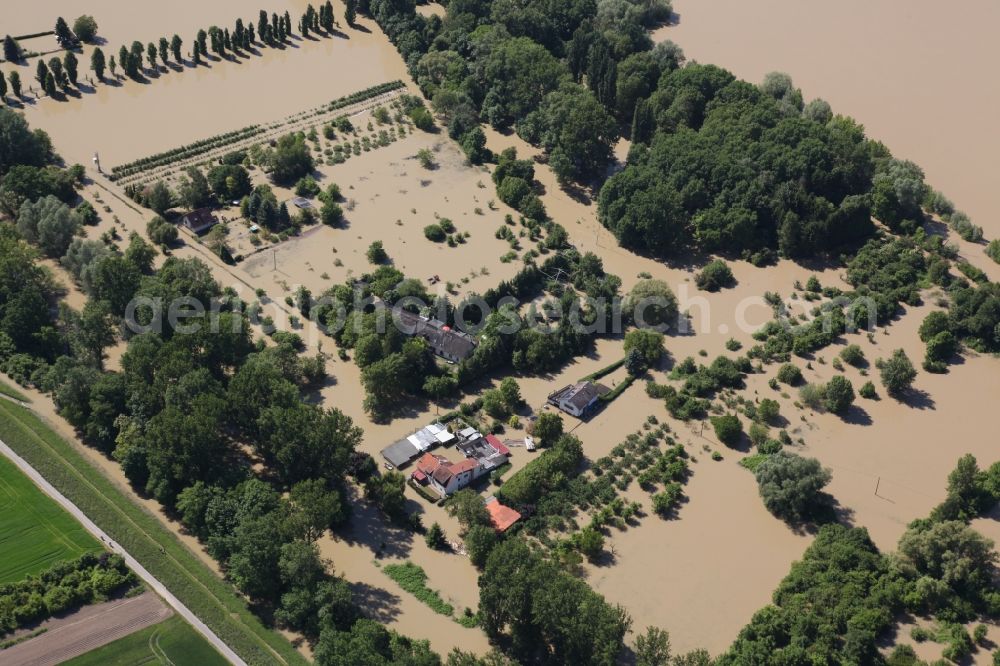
(400, 453)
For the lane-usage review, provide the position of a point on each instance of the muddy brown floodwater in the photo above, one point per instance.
(127, 120)
(919, 78)
(915, 76)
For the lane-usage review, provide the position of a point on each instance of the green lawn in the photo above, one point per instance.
(10, 391)
(35, 532)
(171, 642)
(212, 599)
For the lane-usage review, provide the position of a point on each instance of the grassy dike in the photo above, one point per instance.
(213, 600)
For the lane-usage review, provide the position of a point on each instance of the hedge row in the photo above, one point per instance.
(213, 600)
(362, 95)
(207, 145)
(607, 370)
(184, 152)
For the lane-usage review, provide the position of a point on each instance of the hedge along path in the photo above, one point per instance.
(214, 601)
(245, 138)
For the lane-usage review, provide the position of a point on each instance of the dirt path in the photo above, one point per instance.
(87, 629)
(134, 564)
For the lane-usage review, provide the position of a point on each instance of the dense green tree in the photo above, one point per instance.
(175, 49)
(70, 64)
(229, 182)
(97, 63)
(548, 428)
(315, 508)
(839, 394)
(831, 608)
(714, 276)
(305, 441)
(479, 542)
(15, 85)
(651, 303)
(728, 428)
(194, 190)
(897, 372)
(158, 197)
(11, 50)
(954, 554)
(160, 231)
(435, 537)
(58, 73)
(791, 486)
(652, 648)
(573, 126)
(41, 72)
(63, 33)
(27, 183)
(50, 85)
(85, 28)
(19, 146)
(545, 612)
(290, 159)
(49, 223)
(467, 507)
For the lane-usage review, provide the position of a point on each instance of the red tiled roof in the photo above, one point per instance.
(502, 516)
(419, 476)
(428, 463)
(466, 465)
(497, 444)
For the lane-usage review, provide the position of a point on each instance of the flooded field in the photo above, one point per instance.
(126, 120)
(915, 76)
(703, 574)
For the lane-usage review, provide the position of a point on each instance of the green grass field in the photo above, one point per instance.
(35, 532)
(171, 643)
(12, 392)
(212, 599)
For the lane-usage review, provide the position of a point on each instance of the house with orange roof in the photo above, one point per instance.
(503, 517)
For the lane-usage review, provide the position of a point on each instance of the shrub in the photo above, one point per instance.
(413, 579)
(434, 232)
(813, 395)
(422, 118)
(307, 187)
(376, 253)
(758, 433)
(426, 158)
(768, 410)
(852, 355)
(728, 428)
(993, 250)
(789, 374)
(867, 391)
(715, 276)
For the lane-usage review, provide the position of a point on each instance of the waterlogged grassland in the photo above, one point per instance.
(35, 532)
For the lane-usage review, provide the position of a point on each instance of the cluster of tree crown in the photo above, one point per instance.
(89, 579)
(271, 30)
(839, 601)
